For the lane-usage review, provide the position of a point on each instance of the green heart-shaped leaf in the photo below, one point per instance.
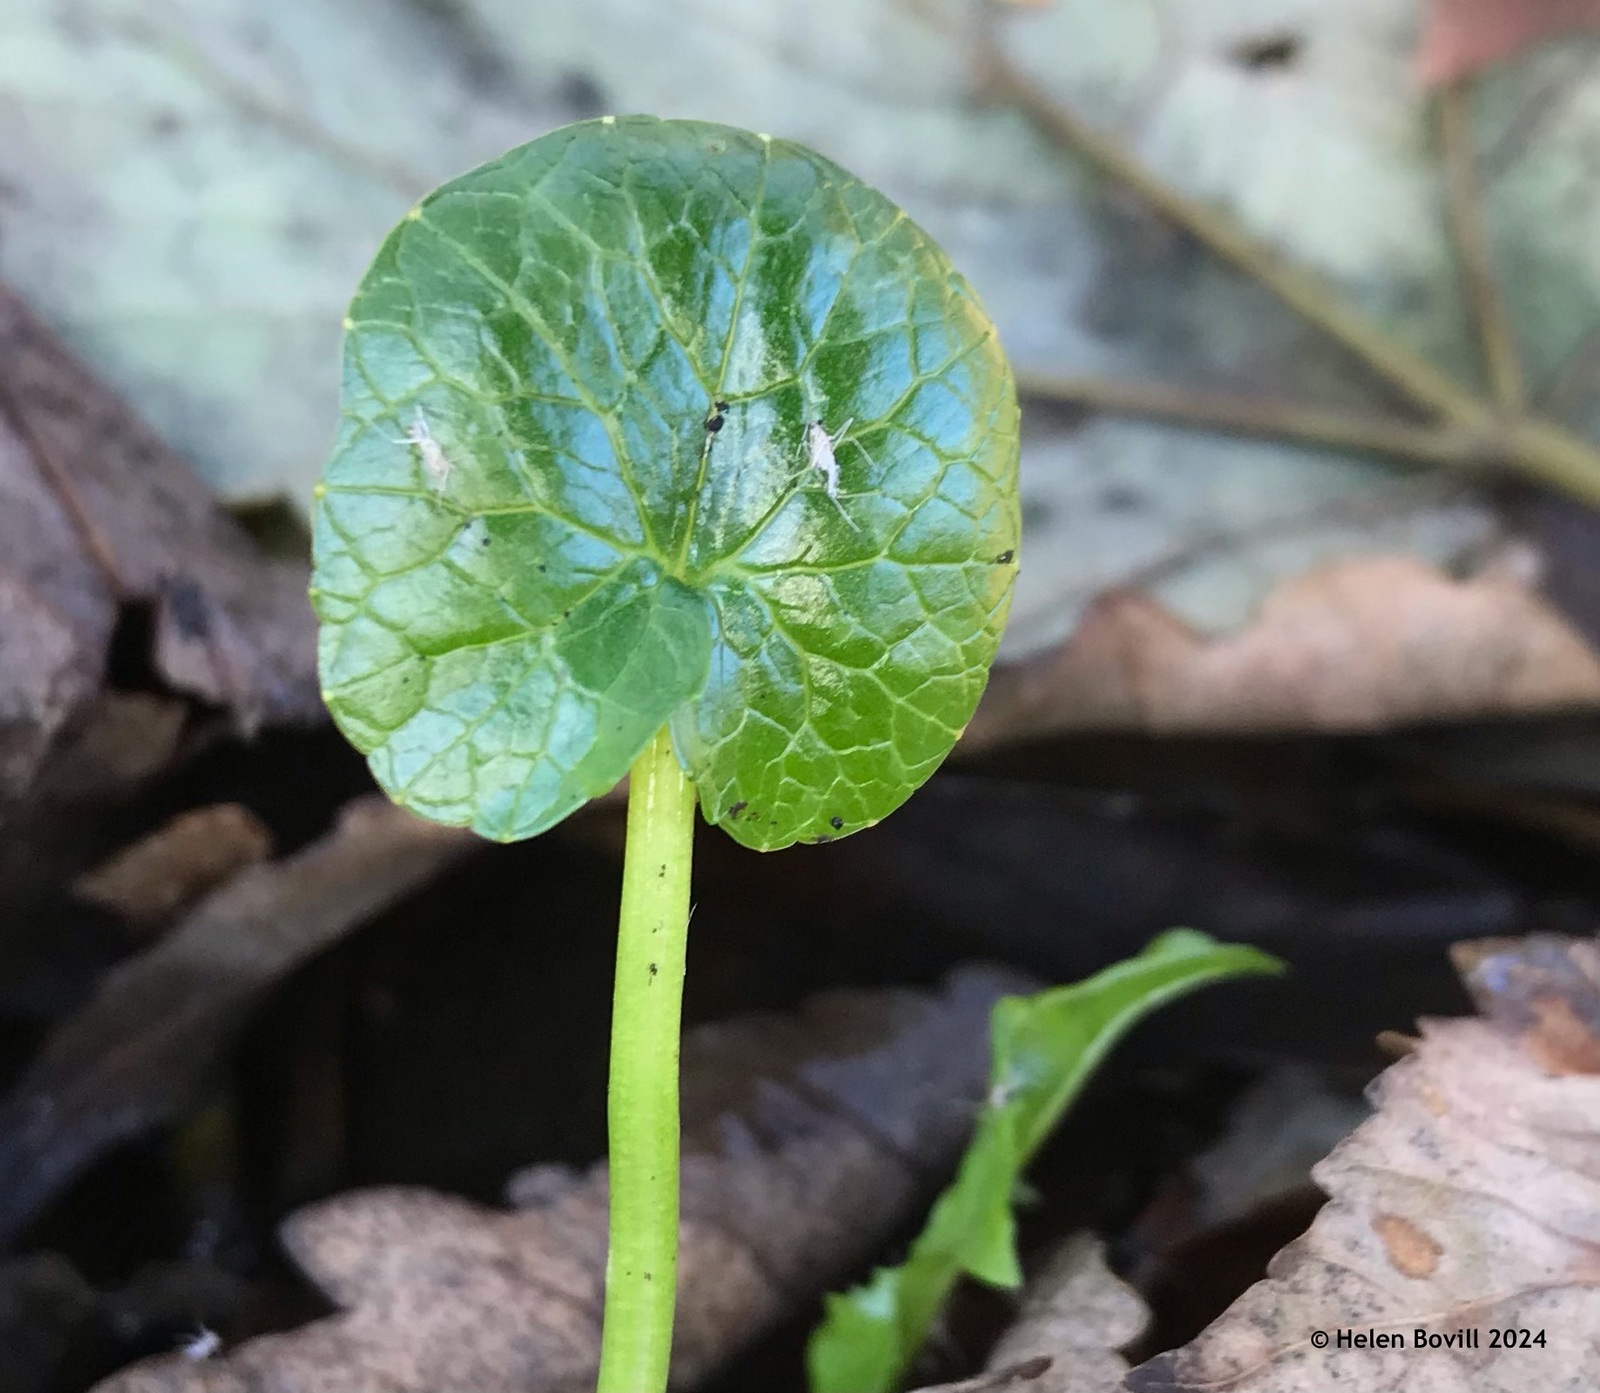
(573, 500)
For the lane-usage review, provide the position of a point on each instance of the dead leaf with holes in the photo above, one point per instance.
(807, 1138)
(1468, 1204)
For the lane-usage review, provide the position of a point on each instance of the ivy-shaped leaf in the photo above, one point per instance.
(661, 422)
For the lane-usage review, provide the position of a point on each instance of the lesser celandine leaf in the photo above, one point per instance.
(1044, 1047)
(572, 500)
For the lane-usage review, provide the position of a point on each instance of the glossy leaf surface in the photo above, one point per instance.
(572, 498)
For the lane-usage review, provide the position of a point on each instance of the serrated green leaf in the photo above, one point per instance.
(572, 498)
(1044, 1047)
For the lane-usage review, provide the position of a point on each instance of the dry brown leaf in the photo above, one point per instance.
(96, 515)
(1078, 1313)
(118, 742)
(1462, 37)
(1075, 1316)
(1356, 645)
(1469, 1203)
(807, 1137)
(141, 1050)
(149, 881)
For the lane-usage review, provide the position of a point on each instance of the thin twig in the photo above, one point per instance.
(1440, 446)
(1497, 338)
(1408, 372)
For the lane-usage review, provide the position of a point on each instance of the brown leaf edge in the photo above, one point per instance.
(1468, 1203)
(1362, 644)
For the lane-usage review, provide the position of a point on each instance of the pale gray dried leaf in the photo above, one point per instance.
(807, 1137)
(1469, 1201)
(148, 1041)
(347, 121)
(1077, 1312)
(1075, 1316)
(1325, 155)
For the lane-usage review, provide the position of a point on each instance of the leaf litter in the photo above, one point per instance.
(142, 1049)
(1077, 1315)
(1467, 1203)
(165, 871)
(1198, 673)
(1081, 284)
(100, 519)
(807, 1137)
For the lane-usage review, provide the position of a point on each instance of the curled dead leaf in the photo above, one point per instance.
(806, 1138)
(1355, 645)
(100, 521)
(1469, 1202)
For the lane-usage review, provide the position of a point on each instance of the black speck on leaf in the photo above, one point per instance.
(737, 808)
(542, 568)
(836, 823)
(1005, 558)
(821, 839)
